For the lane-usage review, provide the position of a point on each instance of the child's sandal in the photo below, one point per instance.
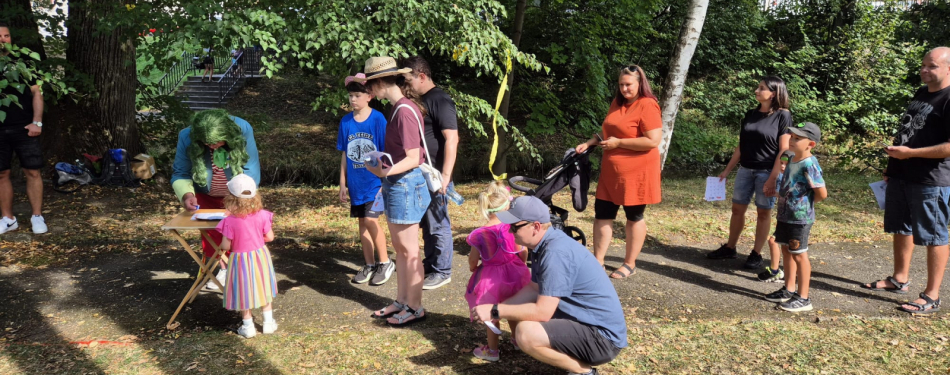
(383, 315)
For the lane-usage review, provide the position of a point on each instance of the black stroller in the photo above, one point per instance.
(574, 170)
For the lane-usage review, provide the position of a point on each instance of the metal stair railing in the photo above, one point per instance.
(230, 79)
(176, 73)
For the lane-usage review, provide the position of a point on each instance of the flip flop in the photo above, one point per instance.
(630, 272)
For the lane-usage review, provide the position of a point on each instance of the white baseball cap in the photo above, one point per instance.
(240, 184)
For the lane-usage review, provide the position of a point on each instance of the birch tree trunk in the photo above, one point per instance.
(679, 66)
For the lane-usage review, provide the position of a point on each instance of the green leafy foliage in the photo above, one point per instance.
(19, 70)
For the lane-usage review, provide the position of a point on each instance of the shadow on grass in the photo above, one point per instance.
(22, 311)
(139, 294)
(697, 257)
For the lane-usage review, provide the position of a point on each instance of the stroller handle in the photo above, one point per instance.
(513, 182)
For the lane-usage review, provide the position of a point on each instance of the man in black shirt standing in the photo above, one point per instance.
(19, 133)
(441, 135)
(916, 211)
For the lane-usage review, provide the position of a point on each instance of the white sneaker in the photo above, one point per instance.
(8, 224)
(39, 224)
(247, 331)
(270, 327)
(221, 276)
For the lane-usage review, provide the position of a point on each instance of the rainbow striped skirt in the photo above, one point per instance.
(251, 280)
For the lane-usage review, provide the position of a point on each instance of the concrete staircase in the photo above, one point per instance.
(199, 96)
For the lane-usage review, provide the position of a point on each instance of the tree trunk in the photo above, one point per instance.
(23, 27)
(501, 161)
(679, 66)
(105, 118)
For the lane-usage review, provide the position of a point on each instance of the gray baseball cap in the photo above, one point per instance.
(525, 208)
(806, 129)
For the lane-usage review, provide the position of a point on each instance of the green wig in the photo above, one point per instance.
(210, 127)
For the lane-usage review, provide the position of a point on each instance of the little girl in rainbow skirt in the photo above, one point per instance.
(251, 282)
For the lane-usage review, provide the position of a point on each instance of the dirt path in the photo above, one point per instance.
(120, 294)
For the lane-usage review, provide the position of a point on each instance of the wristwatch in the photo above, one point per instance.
(38, 124)
(494, 312)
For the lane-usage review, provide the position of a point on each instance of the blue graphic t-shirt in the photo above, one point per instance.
(356, 139)
(796, 194)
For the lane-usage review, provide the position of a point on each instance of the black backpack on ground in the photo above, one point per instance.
(116, 170)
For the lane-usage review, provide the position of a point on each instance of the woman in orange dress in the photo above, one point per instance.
(630, 170)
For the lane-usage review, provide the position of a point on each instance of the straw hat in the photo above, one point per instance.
(378, 67)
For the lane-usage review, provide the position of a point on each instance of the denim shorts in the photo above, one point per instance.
(918, 210)
(406, 197)
(752, 181)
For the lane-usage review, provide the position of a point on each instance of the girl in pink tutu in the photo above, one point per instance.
(502, 271)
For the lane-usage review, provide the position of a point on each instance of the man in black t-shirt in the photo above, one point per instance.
(19, 133)
(441, 136)
(916, 211)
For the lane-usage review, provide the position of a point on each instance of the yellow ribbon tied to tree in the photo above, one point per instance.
(494, 121)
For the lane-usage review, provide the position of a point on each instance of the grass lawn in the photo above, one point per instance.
(300, 146)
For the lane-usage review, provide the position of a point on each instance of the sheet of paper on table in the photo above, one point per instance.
(878, 188)
(208, 216)
(715, 189)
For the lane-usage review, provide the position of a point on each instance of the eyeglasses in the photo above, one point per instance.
(516, 227)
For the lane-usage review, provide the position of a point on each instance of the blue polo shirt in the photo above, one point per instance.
(564, 268)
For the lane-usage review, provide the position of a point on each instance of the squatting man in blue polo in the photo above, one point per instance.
(569, 316)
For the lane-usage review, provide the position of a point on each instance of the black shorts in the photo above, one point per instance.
(607, 210)
(16, 139)
(583, 342)
(795, 236)
(364, 210)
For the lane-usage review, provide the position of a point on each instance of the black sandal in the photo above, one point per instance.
(899, 287)
(630, 272)
(399, 307)
(922, 309)
(417, 316)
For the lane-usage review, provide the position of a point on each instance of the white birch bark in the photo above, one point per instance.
(679, 66)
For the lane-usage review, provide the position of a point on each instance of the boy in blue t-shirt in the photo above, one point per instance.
(363, 131)
(801, 187)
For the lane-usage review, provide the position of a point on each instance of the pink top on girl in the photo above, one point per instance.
(246, 233)
(502, 273)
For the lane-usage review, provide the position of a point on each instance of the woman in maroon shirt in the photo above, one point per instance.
(404, 188)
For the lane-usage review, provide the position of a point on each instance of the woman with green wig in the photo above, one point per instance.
(215, 148)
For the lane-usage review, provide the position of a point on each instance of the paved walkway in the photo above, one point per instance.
(119, 294)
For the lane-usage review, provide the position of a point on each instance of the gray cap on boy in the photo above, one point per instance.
(808, 130)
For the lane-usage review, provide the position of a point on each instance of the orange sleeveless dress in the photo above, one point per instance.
(627, 177)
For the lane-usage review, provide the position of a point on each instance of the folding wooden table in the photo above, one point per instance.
(207, 266)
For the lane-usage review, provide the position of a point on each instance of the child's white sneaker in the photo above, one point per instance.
(7, 224)
(270, 327)
(39, 224)
(221, 276)
(247, 331)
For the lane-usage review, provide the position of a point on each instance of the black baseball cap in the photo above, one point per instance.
(808, 130)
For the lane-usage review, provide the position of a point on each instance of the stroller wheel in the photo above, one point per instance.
(576, 234)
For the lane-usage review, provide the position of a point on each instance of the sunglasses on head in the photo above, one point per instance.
(632, 68)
